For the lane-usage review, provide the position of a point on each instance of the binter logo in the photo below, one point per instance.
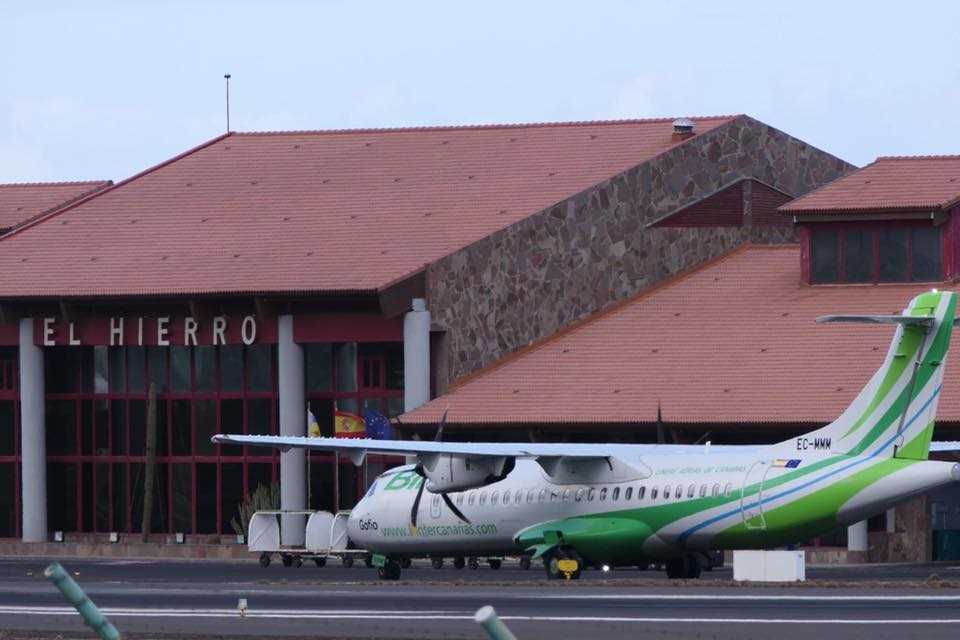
(403, 480)
(817, 444)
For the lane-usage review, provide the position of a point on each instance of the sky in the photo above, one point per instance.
(97, 89)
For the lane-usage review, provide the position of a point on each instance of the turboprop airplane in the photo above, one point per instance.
(623, 504)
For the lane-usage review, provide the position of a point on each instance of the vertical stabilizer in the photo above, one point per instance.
(893, 415)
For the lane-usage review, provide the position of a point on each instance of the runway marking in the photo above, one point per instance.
(754, 597)
(428, 616)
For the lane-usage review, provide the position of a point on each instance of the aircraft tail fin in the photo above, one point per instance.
(893, 416)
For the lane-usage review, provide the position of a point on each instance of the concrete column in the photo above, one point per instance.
(891, 520)
(857, 536)
(33, 436)
(416, 356)
(293, 422)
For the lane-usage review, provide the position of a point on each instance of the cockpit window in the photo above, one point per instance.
(371, 490)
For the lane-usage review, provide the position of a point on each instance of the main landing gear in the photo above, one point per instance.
(390, 570)
(687, 567)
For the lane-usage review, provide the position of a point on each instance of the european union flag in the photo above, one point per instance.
(378, 425)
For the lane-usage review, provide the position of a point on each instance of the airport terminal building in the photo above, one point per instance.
(547, 281)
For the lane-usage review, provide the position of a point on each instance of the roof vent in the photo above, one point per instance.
(683, 127)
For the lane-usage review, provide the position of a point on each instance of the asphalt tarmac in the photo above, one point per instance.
(199, 599)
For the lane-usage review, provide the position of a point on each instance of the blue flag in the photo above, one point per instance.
(378, 425)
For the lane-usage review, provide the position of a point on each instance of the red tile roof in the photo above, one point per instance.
(895, 183)
(318, 211)
(23, 201)
(733, 342)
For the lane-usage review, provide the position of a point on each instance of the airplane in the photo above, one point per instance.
(630, 504)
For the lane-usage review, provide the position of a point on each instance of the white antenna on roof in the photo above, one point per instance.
(226, 77)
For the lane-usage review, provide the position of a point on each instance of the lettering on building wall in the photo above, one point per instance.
(161, 331)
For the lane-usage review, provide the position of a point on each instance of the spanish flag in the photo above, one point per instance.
(313, 427)
(348, 425)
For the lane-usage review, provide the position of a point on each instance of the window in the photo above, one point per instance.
(824, 251)
(716, 490)
(906, 253)
(893, 254)
(483, 498)
(567, 494)
(579, 495)
(494, 496)
(543, 496)
(679, 492)
(616, 493)
(703, 491)
(459, 499)
(925, 253)
(471, 498)
(519, 497)
(628, 493)
(554, 495)
(530, 496)
(858, 255)
(603, 493)
(653, 493)
(691, 490)
(640, 492)
(727, 490)
(666, 492)
(591, 492)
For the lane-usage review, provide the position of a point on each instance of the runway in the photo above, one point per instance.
(200, 599)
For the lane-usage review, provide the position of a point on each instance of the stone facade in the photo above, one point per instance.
(912, 540)
(561, 264)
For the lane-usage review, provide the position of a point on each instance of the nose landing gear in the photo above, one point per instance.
(563, 564)
(685, 567)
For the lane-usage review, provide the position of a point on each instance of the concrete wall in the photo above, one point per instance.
(570, 260)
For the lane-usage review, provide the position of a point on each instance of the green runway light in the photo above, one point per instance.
(75, 596)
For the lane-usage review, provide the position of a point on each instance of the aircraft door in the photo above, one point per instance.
(751, 502)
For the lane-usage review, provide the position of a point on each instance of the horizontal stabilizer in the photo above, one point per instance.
(946, 445)
(913, 321)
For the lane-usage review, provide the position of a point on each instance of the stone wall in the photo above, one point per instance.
(581, 255)
(912, 540)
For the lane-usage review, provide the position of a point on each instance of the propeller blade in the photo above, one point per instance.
(443, 422)
(416, 503)
(453, 508)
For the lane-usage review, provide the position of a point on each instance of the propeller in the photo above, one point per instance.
(420, 472)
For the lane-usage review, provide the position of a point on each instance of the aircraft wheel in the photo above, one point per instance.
(436, 563)
(320, 562)
(643, 566)
(297, 562)
(552, 567)
(459, 562)
(264, 559)
(525, 562)
(287, 560)
(347, 561)
(368, 561)
(389, 571)
(473, 563)
(494, 563)
(694, 566)
(686, 567)
(406, 563)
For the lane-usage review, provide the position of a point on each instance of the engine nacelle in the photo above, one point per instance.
(447, 473)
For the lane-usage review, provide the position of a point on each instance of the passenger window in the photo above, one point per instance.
(483, 498)
(616, 493)
(554, 495)
(471, 498)
(716, 490)
(653, 493)
(493, 497)
(530, 496)
(543, 496)
(690, 490)
(727, 490)
(460, 499)
(642, 490)
(703, 491)
(603, 493)
(679, 493)
(567, 493)
(519, 497)
(591, 492)
(628, 493)
(579, 495)
(666, 492)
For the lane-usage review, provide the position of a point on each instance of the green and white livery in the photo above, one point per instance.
(620, 504)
